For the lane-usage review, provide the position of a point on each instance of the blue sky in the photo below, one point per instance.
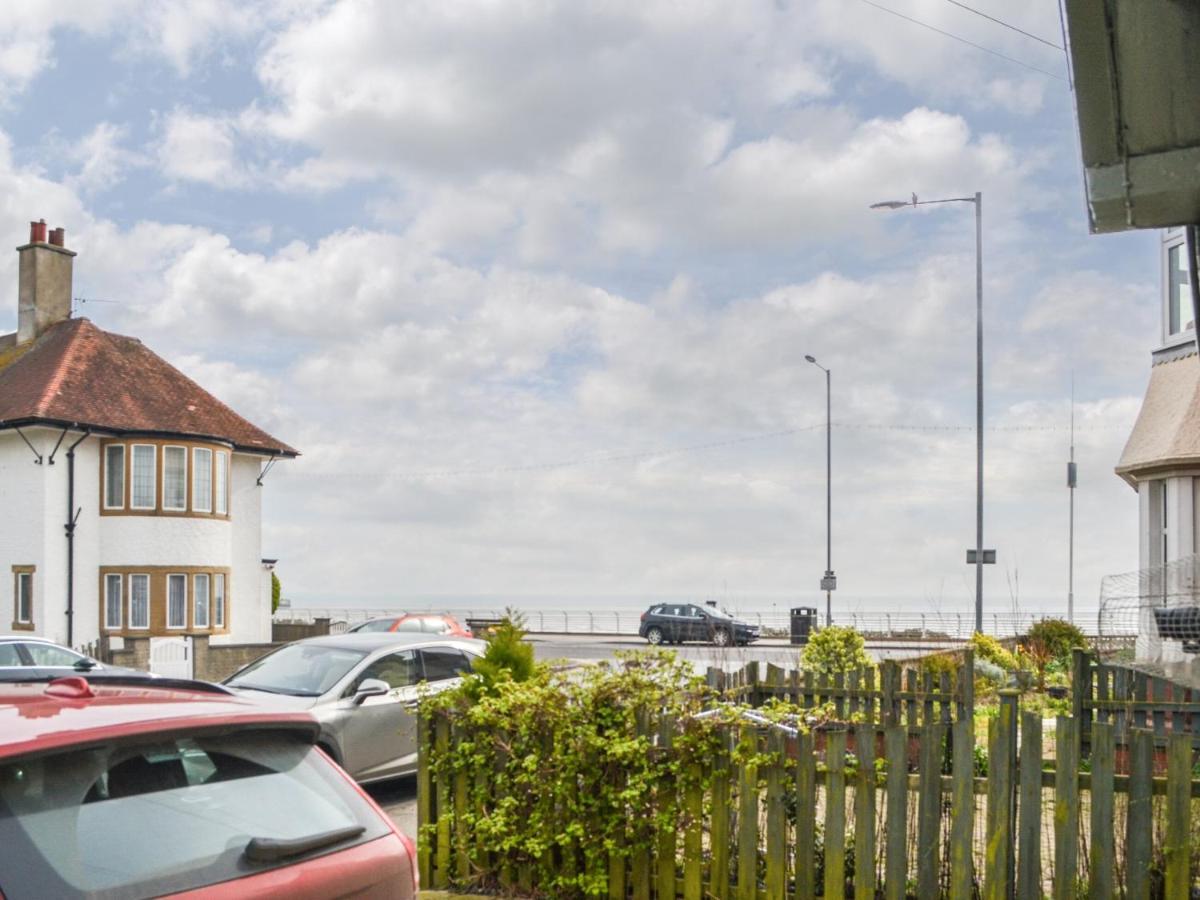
(507, 272)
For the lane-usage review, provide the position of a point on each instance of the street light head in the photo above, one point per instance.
(809, 358)
(891, 204)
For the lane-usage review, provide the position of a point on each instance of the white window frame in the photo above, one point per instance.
(133, 449)
(132, 620)
(109, 580)
(202, 500)
(218, 594)
(182, 577)
(198, 596)
(182, 507)
(108, 448)
(1171, 240)
(221, 484)
(23, 579)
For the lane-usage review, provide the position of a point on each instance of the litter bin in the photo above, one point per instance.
(804, 622)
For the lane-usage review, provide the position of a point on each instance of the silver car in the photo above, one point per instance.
(363, 689)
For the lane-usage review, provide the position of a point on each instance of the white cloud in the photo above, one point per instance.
(102, 158)
(201, 148)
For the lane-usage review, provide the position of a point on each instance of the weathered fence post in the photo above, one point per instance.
(441, 869)
(895, 870)
(1066, 807)
(929, 811)
(1002, 737)
(1139, 823)
(1179, 802)
(747, 872)
(462, 860)
(665, 806)
(693, 835)
(424, 801)
(835, 813)
(962, 821)
(1081, 698)
(718, 876)
(1029, 810)
(864, 815)
(1101, 862)
(639, 861)
(776, 818)
(806, 817)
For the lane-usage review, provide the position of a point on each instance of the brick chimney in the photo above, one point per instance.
(43, 282)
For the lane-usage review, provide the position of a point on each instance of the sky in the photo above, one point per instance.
(530, 284)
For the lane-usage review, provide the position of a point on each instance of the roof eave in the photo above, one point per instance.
(281, 451)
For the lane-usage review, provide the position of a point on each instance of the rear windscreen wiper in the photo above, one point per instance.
(273, 849)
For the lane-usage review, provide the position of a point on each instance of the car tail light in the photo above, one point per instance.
(643, 617)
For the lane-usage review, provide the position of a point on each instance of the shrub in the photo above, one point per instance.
(939, 664)
(1054, 639)
(991, 650)
(833, 649)
(508, 657)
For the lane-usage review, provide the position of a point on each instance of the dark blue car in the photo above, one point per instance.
(674, 623)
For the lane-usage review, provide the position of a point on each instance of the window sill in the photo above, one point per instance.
(22, 626)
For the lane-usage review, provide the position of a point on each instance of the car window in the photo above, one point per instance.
(374, 625)
(409, 625)
(444, 662)
(695, 612)
(49, 655)
(434, 626)
(161, 816)
(657, 610)
(9, 655)
(303, 670)
(396, 669)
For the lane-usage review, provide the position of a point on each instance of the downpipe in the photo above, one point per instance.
(72, 519)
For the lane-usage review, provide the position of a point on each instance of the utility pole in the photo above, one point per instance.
(1071, 517)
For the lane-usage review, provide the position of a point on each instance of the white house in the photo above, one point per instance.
(1161, 461)
(130, 503)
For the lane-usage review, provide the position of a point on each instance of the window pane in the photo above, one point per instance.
(9, 655)
(443, 662)
(202, 480)
(397, 669)
(49, 655)
(219, 601)
(174, 478)
(143, 476)
(200, 589)
(139, 601)
(114, 476)
(24, 597)
(222, 486)
(176, 601)
(1179, 297)
(112, 601)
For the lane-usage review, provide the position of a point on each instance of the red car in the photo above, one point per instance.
(425, 623)
(137, 789)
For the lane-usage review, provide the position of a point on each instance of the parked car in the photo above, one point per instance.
(363, 690)
(28, 658)
(674, 623)
(146, 791)
(415, 623)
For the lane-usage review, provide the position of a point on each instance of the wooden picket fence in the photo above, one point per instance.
(1130, 698)
(823, 819)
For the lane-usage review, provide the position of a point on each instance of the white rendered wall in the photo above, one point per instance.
(21, 509)
(249, 617)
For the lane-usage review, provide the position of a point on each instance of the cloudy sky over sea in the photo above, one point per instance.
(530, 284)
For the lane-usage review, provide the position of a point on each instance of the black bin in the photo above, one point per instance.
(804, 623)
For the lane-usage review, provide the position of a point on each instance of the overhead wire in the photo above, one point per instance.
(1007, 25)
(963, 40)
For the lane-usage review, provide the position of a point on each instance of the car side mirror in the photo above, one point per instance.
(370, 687)
(85, 665)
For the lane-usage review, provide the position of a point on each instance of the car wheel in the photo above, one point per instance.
(721, 638)
(654, 635)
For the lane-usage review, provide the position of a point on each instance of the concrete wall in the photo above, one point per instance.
(215, 662)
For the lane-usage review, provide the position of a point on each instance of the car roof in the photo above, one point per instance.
(68, 712)
(370, 641)
(31, 639)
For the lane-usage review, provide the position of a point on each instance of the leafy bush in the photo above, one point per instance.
(833, 649)
(1054, 639)
(508, 658)
(988, 648)
(939, 664)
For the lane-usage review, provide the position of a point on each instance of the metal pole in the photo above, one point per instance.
(978, 411)
(828, 499)
(1071, 526)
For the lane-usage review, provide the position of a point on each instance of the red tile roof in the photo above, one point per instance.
(77, 374)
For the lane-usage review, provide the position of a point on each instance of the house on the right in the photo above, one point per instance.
(1161, 461)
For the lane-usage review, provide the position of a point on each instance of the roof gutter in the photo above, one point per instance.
(6, 424)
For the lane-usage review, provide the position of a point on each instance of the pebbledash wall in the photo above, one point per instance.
(33, 517)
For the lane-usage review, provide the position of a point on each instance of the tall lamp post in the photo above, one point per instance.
(978, 556)
(829, 582)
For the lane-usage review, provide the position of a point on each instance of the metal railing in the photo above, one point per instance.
(879, 626)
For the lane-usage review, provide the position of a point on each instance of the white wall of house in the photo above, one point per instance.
(33, 512)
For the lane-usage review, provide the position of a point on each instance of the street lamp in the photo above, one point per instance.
(978, 556)
(829, 582)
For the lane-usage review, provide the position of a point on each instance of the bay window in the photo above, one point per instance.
(175, 478)
(202, 479)
(143, 476)
(177, 601)
(114, 476)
